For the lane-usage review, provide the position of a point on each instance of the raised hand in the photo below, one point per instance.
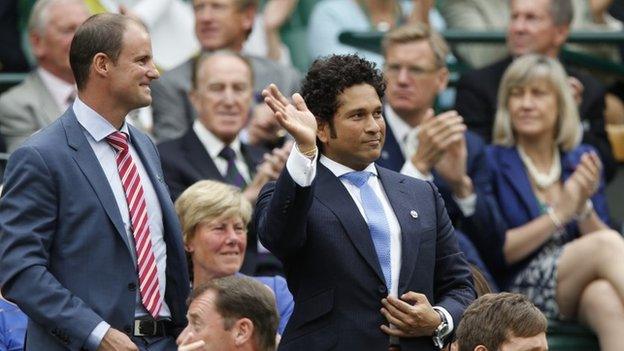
(435, 136)
(452, 168)
(294, 117)
(581, 185)
(268, 170)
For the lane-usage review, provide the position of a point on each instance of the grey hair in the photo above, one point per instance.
(40, 14)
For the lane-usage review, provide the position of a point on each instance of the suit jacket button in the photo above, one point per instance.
(382, 289)
(128, 329)
(132, 287)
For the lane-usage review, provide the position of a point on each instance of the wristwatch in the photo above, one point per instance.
(441, 331)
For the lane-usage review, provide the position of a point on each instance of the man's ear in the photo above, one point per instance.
(242, 331)
(480, 348)
(195, 99)
(562, 33)
(101, 64)
(442, 79)
(36, 44)
(249, 14)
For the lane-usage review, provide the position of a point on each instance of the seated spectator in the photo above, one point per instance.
(486, 15)
(50, 89)
(536, 26)
(502, 322)
(435, 148)
(231, 314)
(557, 248)
(329, 18)
(214, 218)
(219, 24)
(12, 327)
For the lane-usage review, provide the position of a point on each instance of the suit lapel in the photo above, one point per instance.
(199, 158)
(513, 170)
(391, 154)
(334, 195)
(396, 189)
(91, 168)
(48, 109)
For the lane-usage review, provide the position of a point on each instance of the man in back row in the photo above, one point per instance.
(219, 24)
(539, 27)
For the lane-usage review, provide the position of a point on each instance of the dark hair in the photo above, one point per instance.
(493, 319)
(239, 297)
(329, 76)
(99, 33)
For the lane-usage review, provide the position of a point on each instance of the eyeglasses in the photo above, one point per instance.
(393, 70)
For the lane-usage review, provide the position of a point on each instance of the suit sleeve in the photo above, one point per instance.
(172, 175)
(28, 220)
(14, 121)
(454, 289)
(280, 215)
(168, 110)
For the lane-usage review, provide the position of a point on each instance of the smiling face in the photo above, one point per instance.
(221, 24)
(532, 29)
(412, 77)
(218, 246)
(533, 109)
(134, 70)
(359, 128)
(223, 95)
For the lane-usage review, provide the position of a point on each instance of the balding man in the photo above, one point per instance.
(50, 89)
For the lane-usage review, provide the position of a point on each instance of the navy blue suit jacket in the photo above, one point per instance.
(486, 220)
(186, 161)
(65, 258)
(518, 204)
(332, 268)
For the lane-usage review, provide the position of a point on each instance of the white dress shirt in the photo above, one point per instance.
(303, 171)
(61, 91)
(213, 146)
(96, 129)
(407, 138)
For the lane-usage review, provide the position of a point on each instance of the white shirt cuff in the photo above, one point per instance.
(95, 338)
(410, 170)
(301, 169)
(467, 205)
(449, 320)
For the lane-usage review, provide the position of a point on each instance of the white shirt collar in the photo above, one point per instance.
(399, 127)
(96, 125)
(210, 141)
(339, 169)
(58, 88)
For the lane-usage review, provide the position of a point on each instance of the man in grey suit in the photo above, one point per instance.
(90, 244)
(219, 24)
(48, 90)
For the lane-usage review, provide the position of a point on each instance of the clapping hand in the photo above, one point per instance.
(294, 117)
(581, 185)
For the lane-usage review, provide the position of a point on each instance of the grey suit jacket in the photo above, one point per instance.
(65, 258)
(26, 108)
(172, 110)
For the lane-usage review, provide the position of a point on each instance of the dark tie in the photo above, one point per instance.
(146, 262)
(232, 176)
(376, 220)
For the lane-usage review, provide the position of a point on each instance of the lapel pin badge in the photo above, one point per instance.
(414, 214)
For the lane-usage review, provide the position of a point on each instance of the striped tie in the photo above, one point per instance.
(146, 262)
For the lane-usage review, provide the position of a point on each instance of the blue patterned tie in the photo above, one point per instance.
(376, 219)
(232, 175)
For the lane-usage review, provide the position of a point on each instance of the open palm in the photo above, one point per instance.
(295, 117)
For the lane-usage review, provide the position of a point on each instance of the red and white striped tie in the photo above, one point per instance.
(146, 262)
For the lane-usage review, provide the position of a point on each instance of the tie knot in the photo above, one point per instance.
(118, 140)
(357, 178)
(227, 153)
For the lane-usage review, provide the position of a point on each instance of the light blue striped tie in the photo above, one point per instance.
(376, 219)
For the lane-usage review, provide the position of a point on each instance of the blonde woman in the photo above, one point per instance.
(214, 218)
(557, 248)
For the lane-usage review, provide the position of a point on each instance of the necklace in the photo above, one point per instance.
(542, 181)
